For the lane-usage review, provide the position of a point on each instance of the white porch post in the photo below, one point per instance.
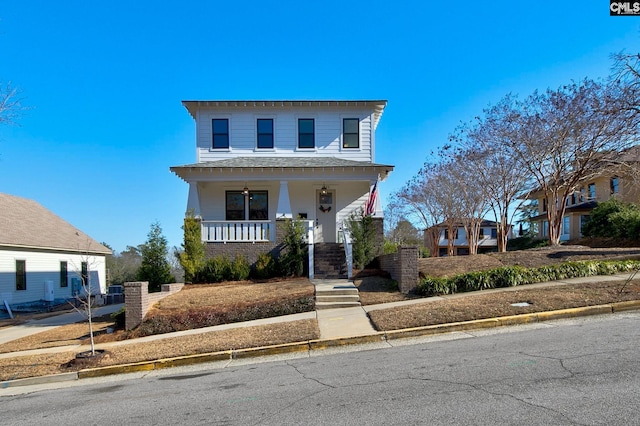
(193, 202)
(284, 204)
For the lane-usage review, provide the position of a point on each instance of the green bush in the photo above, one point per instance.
(516, 275)
(294, 248)
(239, 269)
(119, 317)
(266, 266)
(362, 235)
(215, 270)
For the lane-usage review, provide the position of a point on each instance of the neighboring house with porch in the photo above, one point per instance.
(487, 241)
(44, 258)
(260, 162)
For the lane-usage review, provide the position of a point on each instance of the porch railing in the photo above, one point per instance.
(222, 231)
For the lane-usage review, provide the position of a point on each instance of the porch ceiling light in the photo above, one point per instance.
(323, 190)
(245, 191)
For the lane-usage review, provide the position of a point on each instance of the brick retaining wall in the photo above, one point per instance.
(138, 300)
(403, 267)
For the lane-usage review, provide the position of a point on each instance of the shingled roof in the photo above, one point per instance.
(27, 224)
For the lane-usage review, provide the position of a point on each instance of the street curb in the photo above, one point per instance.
(321, 344)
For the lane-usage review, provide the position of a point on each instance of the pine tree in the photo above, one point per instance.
(155, 268)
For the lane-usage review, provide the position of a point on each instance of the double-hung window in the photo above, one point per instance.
(252, 206)
(265, 133)
(350, 133)
(21, 274)
(220, 128)
(592, 191)
(306, 133)
(64, 274)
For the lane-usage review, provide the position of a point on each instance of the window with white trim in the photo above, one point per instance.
(350, 133)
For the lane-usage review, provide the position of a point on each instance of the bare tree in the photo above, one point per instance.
(84, 299)
(497, 172)
(470, 201)
(567, 136)
(11, 107)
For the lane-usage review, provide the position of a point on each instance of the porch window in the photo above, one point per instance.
(64, 282)
(253, 206)
(350, 133)
(21, 275)
(494, 233)
(306, 133)
(220, 133)
(265, 133)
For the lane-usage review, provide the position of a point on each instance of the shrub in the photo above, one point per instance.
(193, 257)
(119, 317)
(215, 270)
(294, 255)
(362, 234)
(516, 275)
(266, 266)
(239, 269)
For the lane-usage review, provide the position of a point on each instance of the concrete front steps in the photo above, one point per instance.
(331, 294)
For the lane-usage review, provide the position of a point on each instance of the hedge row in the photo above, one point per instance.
(187, 320)
(510, 276)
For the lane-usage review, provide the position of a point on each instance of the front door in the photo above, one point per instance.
(325, 231)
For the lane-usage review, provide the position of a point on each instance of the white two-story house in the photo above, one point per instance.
(258, 162)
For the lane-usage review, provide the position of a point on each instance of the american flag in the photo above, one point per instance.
(370, 205)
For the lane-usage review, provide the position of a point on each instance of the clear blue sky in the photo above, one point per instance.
(105, 81)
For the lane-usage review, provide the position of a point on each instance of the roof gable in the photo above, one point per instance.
(27, 224)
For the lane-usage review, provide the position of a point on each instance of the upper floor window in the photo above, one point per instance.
(220, 132)
(306, 133)
(265, 133)
(614, 185)
(592, 191)
(350, 133)
(446, 234)
(481, 234)
(494, 233)
(21, 274)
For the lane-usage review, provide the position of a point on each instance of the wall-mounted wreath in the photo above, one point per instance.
(324, 209)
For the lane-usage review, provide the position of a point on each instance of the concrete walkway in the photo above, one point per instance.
(10, 333)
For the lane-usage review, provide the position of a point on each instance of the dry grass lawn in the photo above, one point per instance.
(373, 290)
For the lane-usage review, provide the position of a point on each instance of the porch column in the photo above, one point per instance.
(193, 202)
(284, 204)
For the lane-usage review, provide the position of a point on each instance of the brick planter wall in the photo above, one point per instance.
(138, 300)
(403, 267)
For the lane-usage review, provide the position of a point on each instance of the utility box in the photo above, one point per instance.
(48, 291)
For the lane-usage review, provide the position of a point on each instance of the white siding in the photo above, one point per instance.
(44, 266)
(242, 132)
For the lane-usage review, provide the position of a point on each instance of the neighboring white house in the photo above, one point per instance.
(43, 257)
(261, 161)
(487, 242)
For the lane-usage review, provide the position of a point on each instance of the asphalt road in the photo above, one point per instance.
(578, 372)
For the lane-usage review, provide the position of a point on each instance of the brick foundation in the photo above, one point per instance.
(138, 300)
(403, 267)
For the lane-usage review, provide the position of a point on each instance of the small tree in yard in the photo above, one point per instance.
(84, 300)
(294, 248)
(363, 234)
(154, 267)
(193, 257)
